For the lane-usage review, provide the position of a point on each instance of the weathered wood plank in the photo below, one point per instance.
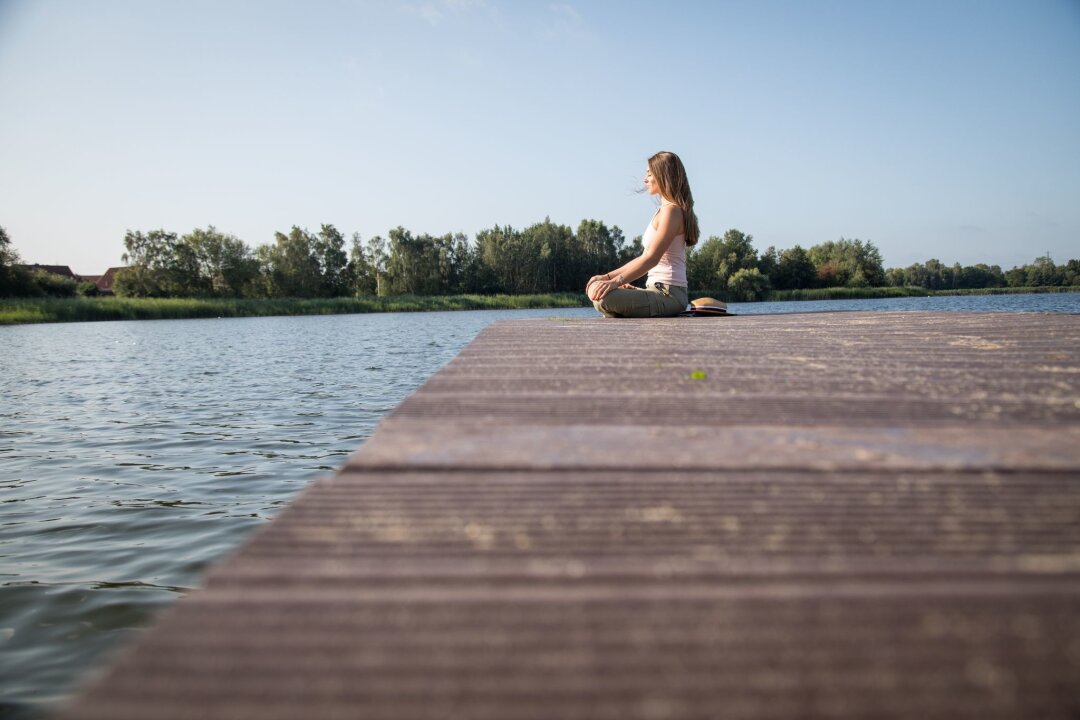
(615, 657)
(637, 527)
(462, 444)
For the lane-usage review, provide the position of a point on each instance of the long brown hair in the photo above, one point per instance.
(668, 172)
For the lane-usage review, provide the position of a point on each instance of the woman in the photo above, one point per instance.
(673, 228)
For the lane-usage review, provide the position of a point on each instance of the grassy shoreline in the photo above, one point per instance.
(19, 311)
(16, 311)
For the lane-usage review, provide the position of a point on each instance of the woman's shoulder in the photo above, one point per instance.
(670, 212)
(673, 211)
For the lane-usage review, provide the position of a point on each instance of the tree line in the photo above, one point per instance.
(542, 258)
(545, 257)
(732, 267)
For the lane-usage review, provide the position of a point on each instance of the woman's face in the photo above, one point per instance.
(650, 183)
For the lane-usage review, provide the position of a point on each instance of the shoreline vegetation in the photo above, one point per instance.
(15, 311)
(209, 273)
(20, 311)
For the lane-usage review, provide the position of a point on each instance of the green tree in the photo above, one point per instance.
(476, 277)
(328, 247)
(599, 249)
(290, 267)
(8, 256)
(224, 265)
(53, 285)
(769, 263)
(359, 271)
(827, 275)
(558, 265)
(14, 280)
(410, 267)
(794, 270)
(1043, 272)
(981, 276)
(700, 263)
(633, 250)
(503, 253)
(379, 259)
(1071, 272)
(464, 261)
(747, 284)
(426, 265)
(1016, 277)
(187, 279)
(914, 275)
(716, 260)
(452, 253)
(87, 289)
(934, 275)
(850, 263)
(155, 268)
(618, 241)
(895, 277)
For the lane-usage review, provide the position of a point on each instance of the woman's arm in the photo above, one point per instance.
(668, 224)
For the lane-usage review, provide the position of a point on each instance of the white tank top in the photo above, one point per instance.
(671, 270)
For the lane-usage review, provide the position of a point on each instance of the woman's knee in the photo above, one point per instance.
(601, 308)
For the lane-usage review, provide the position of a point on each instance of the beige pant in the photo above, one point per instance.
(657, 300)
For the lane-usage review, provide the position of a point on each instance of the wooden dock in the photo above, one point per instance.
(844, 515)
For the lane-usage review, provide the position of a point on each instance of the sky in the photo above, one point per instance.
(945, 129)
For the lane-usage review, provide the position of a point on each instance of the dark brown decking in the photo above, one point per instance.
(851, 516)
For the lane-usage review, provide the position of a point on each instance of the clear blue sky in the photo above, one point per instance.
(935, 129)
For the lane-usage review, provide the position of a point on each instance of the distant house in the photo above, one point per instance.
(61, 270)
(105, 282)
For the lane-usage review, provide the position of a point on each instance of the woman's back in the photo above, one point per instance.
(671, 270)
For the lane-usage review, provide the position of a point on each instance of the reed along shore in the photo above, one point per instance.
(44, 310)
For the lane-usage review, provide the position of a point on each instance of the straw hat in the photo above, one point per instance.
(708, 302)
(706, 306)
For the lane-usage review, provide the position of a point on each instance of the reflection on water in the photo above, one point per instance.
(132, 454)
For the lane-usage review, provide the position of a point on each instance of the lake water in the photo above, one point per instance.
(133, 454)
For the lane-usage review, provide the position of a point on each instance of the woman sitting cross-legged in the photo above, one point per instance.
(673, 227)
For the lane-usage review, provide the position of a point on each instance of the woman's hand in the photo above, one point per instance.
(599, 286)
